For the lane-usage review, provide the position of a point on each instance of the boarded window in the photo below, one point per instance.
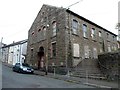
(101, 47)
(109, 48)
(76, 52)
(86, 51)
(95, 53)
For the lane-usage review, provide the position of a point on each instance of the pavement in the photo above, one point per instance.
(86, 81)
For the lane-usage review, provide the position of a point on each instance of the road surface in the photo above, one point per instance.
(12, 79)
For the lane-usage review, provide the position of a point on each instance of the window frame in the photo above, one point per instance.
(75, 26)
(100, 34)
(54, 28)
(84, 27)
(53, 49)
(93, 33)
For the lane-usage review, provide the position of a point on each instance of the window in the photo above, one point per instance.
(119, 35)
(33, 33)
(100, 34)
(44, 31)
(101, 47)
(76, 52)
(115, 48)
(113, 38)
(107, 36)
(75, 26)
(86, 51)
(109, 48)
(31, 49)
(39, 30)
(54, 49)
(84, 30)
(54, 28)
(93, 33)
(95, 53)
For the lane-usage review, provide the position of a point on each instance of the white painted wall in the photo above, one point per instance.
(16, 53)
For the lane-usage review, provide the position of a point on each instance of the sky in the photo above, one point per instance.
(17, 16)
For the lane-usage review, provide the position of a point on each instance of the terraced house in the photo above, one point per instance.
(60, 37)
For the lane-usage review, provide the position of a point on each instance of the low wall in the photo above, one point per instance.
(109, 64)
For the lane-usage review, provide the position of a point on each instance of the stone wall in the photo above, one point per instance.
(109, 64)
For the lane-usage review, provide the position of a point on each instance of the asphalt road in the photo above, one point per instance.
(12, 79)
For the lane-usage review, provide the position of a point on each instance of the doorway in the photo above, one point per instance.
(41, 58)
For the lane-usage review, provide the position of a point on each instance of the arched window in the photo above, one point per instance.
(75, 26)
(85, 30)
(44, 31)
(54, 28)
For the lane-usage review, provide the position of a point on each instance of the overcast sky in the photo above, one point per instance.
(17, 16)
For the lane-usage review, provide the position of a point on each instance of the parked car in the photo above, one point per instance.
(23, 68)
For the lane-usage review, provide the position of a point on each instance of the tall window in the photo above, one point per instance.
(86, 51)
(76, 52)
(31, 52)
(107, 36)
(101, 47)
(75, 26)
(84, 30)
(95, 55)
(93, 33)
(54, 28)
(100, 34)
(115, 48)
(109, 48)
(54, 49)
(114, 38)
(44, 31)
